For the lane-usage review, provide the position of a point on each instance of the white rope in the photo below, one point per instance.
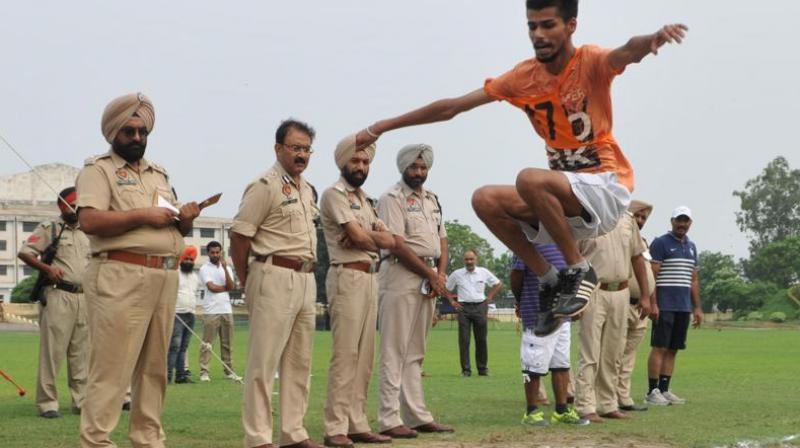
(41, 178)
(208, 346)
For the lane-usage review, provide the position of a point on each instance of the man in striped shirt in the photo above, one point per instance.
(677, 296)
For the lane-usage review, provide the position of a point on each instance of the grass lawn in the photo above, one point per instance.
(741, 384)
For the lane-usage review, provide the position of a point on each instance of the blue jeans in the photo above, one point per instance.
(176, 359)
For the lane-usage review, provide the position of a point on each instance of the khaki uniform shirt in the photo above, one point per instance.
(341, 203)
(279, 216)
(415, 217)
(610, 255)
(108, 182)
(72, 254)
(636, 293)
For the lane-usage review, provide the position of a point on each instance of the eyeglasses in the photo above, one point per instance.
(130, 132)
(297, 149)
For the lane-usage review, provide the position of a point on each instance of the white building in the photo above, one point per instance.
(25, 201)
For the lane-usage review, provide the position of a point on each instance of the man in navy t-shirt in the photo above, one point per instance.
(677, 296)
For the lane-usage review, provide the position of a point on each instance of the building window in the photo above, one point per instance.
(27, 271)
(3, 270)
(204, 251)
(3, 245)
(28, 226)
(2, 226)
(207, 233)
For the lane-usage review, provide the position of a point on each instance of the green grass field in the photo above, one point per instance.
(742, 384)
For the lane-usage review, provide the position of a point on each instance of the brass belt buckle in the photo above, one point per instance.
(308, 266)
(170, 262)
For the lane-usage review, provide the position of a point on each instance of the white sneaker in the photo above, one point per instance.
(672, 398)
(204, 377)
(234, 377)
(655, 398)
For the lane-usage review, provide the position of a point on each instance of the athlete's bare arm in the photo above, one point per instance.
(441, 110)
(640, 46)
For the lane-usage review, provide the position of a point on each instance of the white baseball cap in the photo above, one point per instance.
(682, 210)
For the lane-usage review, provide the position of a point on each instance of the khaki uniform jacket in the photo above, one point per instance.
(72, 254)
(415, 217)
(341, 203)
(611, 254)
(108, 182)
(279, 216)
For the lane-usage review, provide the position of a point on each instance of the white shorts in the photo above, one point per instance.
(539, 355)
(603, 198)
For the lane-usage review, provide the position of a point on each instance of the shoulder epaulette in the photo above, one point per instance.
(93, 159)
(159, 168)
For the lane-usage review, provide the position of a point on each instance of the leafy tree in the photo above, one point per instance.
(715, 267)
(778, 262)
(461, 238)
(22, 291)
(770, 204)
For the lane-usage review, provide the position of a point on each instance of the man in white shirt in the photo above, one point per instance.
(471, 303)
(217, 278)
(188, 287)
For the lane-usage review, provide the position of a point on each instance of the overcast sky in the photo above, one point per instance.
(696, 121)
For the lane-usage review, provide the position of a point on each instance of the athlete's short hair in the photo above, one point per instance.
(212, 245)
(568, 9)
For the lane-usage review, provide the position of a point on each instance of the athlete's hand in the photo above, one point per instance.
(654, 311)
(673, 33)
(697, 317)
(363, 139)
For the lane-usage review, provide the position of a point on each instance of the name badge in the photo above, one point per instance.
(123, 182)
(288, 202)
(355, 206)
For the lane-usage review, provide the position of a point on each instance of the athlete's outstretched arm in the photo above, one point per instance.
(640, 46)
(441, 110)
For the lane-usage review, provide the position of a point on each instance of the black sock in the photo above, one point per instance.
(561, 408)
(663, 383)
(652, 384)
(532, 408)
(570, 399)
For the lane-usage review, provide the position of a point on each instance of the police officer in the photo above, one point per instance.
(636, 327)
(275, 224)
(129, 210)
(602, 330)
(353, 234)
(411, 277)
(62, 322)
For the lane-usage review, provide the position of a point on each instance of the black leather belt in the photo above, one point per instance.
(69, 287)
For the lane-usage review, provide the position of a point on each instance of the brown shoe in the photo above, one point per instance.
(308, 443)
(400, 432)
(338, 441)
(434, 427)
(369, 437)
(617, 415)
(593, 417)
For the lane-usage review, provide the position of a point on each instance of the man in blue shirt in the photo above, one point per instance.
(676, 300)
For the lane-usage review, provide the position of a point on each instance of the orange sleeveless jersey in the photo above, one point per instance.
(570, 111)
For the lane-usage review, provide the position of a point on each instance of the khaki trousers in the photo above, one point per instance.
(634, 330)
(214, 324)
(63, 333)
(353, 299)
(281, 303)
(405, 317)
(131, 310)
(602, 335)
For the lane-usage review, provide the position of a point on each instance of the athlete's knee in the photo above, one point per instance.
(484, 200)
(531, 180)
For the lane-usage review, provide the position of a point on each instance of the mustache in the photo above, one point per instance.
(299, 159)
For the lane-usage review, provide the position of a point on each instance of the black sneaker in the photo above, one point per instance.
(183, 380)
(50, 414)
(546, 323)
(126, 406)
(577, 286)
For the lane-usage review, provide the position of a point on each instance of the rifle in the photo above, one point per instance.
(47, 257)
